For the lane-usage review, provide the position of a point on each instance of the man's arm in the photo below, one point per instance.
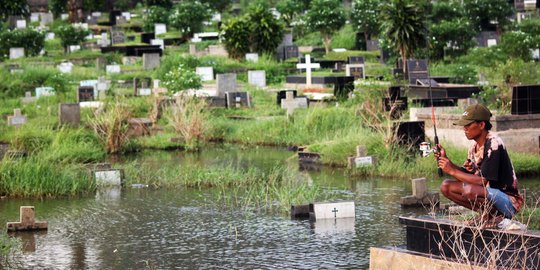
(452, 169)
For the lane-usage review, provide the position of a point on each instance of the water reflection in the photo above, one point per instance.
(137, 228)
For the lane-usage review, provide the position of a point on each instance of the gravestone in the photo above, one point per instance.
(70, 114)
(101, 62)
(334, 210)
(50, 36)
(141, 87)
(225, 83)
(113, 14)
(355, 70)
(206, 73)
(420, 197)
(282, 94)
(102, 85)
(15, 53)
(147, 37)
(34, 17)
(160, 28)
(110, 69)
(290, 52)
(355, 60)
(21, 24)
(308, 66)
(238, 99)
(96, 14)
(417, 72)
(104, 40)
(159, 42)
(27, 221)
(117, 37)
(361, 159)
(17, 119)
(65, 67)
(410, 133)
(525, 99)
(46, 18)
(28, 98)
(289, 103)
(109, 177)
(252, 57)
(44, 91)
(257, 78)
(74, 48)
(373, 45)
(127, 16)
(91, 20)
(86, 93)
(151, 60)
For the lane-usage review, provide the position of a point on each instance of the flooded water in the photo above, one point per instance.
(176, 229)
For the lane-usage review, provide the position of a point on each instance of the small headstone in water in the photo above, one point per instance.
(27, 221)
(335, 210)
(420, 195)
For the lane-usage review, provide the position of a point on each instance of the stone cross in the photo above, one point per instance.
(28, 98)
(289, 103)
(27, 221)
(17, 119)
(308, 66)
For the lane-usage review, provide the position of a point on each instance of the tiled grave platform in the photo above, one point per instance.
(443, 90)
(453, 240)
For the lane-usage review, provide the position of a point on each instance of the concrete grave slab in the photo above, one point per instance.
(226, 83)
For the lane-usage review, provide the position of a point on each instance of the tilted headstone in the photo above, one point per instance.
(355, 70)
(159, 42)
(257, 78)
(110, 69)
(44, 91)
(27, 221)
(151, 60)
(206, 73)
(225, 83)
(160, 28)
(70, 114)
(238, 99)
(335, 210)
(15, 53)
(308, 66)
(252, 57)
(17, 119)
(28, 98)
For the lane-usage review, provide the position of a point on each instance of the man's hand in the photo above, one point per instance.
(443, 161)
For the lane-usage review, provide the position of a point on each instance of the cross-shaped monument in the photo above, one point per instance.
(17, 119)
(308, 66)
(289, 103)
(27, 221)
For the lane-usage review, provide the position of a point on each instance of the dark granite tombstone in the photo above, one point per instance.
(357, 72)
(238, 99)
(147, 37)
(85, 93)
(417, 70)
(394, 92)
(360, 42)
(437, 102)
(488, 38)
(355, 59)
(396, 106)
(112, 16)
(526, 99)
(410, 133)
(282, 94)
(290, 51)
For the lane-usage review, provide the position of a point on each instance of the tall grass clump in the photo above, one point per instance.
(74, 146)
(39, 178)
(111, 126)
(189, 119)
(8, 247)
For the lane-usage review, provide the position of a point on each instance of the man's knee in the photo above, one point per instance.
(445, 187)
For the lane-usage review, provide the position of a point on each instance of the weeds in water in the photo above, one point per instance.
(111, 126)
(8, 247)
(188, 118)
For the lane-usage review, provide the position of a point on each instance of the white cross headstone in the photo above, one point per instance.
(28, 98)
(159, 42)
(160, 28)
(308, 66)
(21, 24)
(17, 119)
(289, 103)
(15, 53)
(112, 69)
(206, 73)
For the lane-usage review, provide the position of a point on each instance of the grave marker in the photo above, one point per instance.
(160, 28)
(526, 99)
(225, 83)
(46, 18)
(252, 57)
(159, 42)
(34, 17)
(74, 48)
(110, 69)
(308, 66)
(290, 51)
(335, 210)
(27, 221)
(355, 70)
(238, 99)
(28, 98)
(85, 93)
(206, 73)
(417, 70)
(127, 16)
(15, 53)
(117, 37)
(289, 103)
(282, 94)
(65, 67)
(50, 36)
(151, 60)
(17, 119)
(257, 78)
(21, 24)
(104, 40)
(141, 87)
(70, 114)
(44, 91)
(109, 177)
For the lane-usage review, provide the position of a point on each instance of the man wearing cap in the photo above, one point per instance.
(487, 182)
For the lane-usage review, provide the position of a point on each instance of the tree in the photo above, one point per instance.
(70, 35)
(404, 27)
(58, 7)
(13, 7)
(155, 14)
(289, 9)
(482, 12)
(236, 36)
(456, 35)
(188, 17)
(158, 3)
(446, 11)
(365, 17)
(326, 17)
(218, 5)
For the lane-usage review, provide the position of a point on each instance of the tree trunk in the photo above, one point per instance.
(326, 41)
(75, 10)
(404, 60)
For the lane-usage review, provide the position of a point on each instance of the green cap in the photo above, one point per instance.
(477, 112)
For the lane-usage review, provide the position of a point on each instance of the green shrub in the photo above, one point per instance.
(188, 17)
(31, 40)
(459, 73)
(519, 44)
(344, 38)
(156, 14)
(70, 35)
(181, 78)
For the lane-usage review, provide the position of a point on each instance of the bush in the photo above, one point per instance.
(156, 14)
(31, 40)
(459, 73)
(70, 35)
(181, 78)
(188, 17)
(344, 38)
(172, 61)
(519, 44)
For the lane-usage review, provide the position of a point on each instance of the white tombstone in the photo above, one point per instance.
(65, 67)
(17, 119)
(160, 28)
(216, 17)
(535, 53)
(126, 15)
(366, 161)
(64, 16)
(15, 53)
(156, 84)
(21, 24)
(144, 91)
(91, 104)
(289, 103)
(333, 210)
(103, 41)
(206, 73)
(491, 42)
(90, 36)
(112, 69)
(257, 78)
(252, 57)
(46, 18)
(74, 48)
(102, 85)
(80, 25)
(96, 14)
(44, 91)
(34, 17)
(339, 50)
(308, 66)
(50, 36)
(159, 42)
(28, 98)
(108, 178)
(196, 38)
